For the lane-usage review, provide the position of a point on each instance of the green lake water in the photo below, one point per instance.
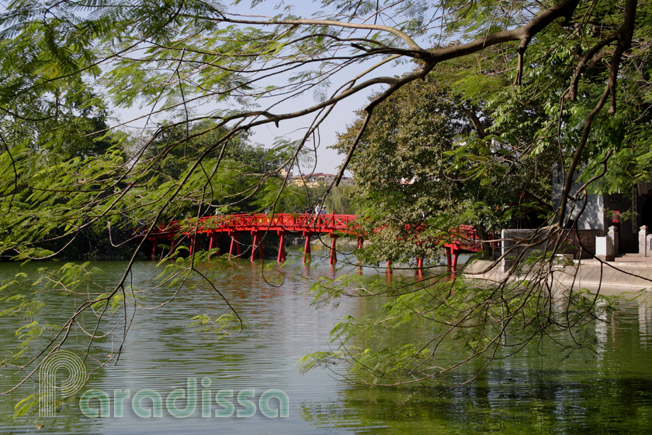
(540, 390)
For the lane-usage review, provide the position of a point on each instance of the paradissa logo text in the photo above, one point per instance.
(184, 403)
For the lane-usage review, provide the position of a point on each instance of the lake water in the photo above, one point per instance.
(539, 390)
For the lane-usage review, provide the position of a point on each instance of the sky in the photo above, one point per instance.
(328, 160)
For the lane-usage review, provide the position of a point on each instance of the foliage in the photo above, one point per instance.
(431, 329)
(27, 293)
(479, 102)
(220, 326)
(428, 160)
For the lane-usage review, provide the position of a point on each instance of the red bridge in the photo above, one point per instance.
(463, 239)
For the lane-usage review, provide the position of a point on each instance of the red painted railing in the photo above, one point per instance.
(465, 238)
(288, 222)
(462, 239)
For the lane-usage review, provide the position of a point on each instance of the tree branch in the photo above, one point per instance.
(564, 9)
(624, 35)
(308, 22)
(572, 95)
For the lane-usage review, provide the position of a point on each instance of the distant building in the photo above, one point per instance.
(603, 211)
(285, 173)
(317, 179)
(597, 224)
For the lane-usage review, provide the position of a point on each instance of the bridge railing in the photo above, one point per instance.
(464, 237)
(292, 222)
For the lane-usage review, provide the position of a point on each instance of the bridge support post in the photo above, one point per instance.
(360, 241)
(388, 272)
(332, 256)
(154, 245)
(281, 247)
(306, 248)
(257, 246)
(452, 253)
(192, 245)
(234, 248)
(212, 241)
(419, 266)
(172, 245)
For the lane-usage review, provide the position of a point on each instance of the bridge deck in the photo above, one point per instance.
(462, 239)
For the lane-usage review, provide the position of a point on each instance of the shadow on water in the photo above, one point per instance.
(549, 406)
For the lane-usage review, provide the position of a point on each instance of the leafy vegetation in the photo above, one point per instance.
(472, 104)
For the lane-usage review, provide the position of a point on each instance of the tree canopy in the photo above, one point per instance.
(485, 95)
(193, 61)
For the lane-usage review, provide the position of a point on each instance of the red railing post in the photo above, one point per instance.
(306, 248)
(281, 247)
(257, 246)
(455, 256)
(452, 254)
(332, 256)
(360, 241)
(234, 248)
(192, 245)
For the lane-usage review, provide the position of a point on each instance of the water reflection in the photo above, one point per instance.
(541, 390)
(645, 321)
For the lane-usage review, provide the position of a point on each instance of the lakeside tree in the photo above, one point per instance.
(243, 181)
(566, 77)
(429, 158)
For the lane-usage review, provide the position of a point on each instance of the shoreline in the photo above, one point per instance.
(610, 278)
